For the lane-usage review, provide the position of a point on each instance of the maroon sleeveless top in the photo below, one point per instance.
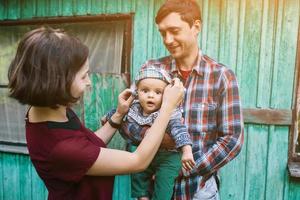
(62, 153)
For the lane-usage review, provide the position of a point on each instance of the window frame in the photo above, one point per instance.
(19, 147)
(293, 156)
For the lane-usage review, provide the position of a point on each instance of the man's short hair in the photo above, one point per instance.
(189, 10)
(44, 67)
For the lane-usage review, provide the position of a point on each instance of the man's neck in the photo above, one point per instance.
(188, 62)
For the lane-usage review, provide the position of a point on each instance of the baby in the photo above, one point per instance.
(149, 86)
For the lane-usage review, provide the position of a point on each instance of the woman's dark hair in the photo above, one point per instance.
(45, 66)
(188, 10)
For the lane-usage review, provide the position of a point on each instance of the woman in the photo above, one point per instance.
(50, 73)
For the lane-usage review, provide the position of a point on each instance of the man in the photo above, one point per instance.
(211, 105)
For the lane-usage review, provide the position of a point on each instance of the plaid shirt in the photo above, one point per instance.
(212, 113)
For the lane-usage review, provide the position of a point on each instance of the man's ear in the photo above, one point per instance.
(197, 26)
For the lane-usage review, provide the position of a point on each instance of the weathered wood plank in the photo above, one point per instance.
(25, 177)
(140, 34)
(294, 190)
(127, 6)
(97, 6)
(1, 176)
(204, 29)
(256, 162)
(213, 34)
(276, 164)
(102, 97)
(286, 188)
(111, 6)
(80, 7)
(268, 116)
(67, 6)
(55, 7)
(250, 58)
(13, 11)
(158, 48)
(234, 172)
(114, 6)
(285, 54)
(229, 30)
(10, 176)
(151, 28)
(28, 9)
(3, 10)
(240, 43)
(42, 8)
(66, 19)
(266, 53)
(117, 142)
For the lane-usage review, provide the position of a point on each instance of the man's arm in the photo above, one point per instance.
(230, 133)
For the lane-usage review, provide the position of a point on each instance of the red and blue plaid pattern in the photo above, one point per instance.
(153, 72)
(212, 113)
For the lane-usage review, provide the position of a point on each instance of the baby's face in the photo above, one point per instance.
(150, 93)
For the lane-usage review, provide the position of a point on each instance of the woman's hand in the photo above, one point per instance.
(124, 100)
(173, 95)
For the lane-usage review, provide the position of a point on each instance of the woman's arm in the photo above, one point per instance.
(111, 162)
(106, 132)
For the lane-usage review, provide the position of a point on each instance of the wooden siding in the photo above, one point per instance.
(19, 179)
(255, 38)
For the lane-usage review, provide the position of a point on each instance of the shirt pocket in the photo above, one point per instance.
(204, 116)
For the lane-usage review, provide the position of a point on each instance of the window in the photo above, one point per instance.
(108, 38)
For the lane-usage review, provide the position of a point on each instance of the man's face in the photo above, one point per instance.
(179, 38)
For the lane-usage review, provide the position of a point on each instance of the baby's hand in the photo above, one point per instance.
(187, 158)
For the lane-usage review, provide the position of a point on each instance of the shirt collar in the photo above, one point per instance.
(197, 66)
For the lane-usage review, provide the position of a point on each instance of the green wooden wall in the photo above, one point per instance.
(255, 38)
